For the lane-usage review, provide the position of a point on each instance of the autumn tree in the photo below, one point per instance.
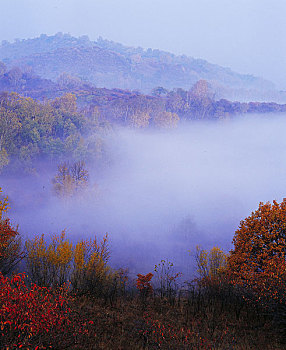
(10, 242)
(66, 103)
(91, 273)
(9, 125)
(166, 120)
(49, 264)
(70, 179)
(200, 99)
(84, 264)
(67, 81)
(210, 263)
(200, 90)
(257, 261)
(139, 120)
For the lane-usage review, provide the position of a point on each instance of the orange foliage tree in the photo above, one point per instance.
(257, 261)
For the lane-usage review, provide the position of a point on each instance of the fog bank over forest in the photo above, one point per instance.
(165, 191)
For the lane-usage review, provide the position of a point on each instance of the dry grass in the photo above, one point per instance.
(197, 322)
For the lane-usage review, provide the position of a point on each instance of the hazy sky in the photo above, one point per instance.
(246, 35)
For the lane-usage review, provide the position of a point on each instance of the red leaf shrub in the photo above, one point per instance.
(29, 314)
(143, 283)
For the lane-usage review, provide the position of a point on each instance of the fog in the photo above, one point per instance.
(165, 191)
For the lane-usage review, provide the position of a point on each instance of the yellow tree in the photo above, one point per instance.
(84, 264)
(211, 263)
(49, 264)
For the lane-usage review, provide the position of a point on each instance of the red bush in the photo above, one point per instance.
(27, 314)
(143, 284)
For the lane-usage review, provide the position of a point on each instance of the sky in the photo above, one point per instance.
(246, 35)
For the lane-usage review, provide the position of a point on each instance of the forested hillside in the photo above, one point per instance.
(50, 132)
(112, 65)
(72, 124)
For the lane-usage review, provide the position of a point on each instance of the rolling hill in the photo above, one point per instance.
(112, 65)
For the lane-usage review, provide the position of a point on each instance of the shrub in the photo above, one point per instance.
(10, 241)
(91, 273)
(27, 315)
(167, 279)
(84, 264)
(49, 264)
(144, 286)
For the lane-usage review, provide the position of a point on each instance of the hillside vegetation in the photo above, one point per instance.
(237, 300)
(67, 120)
(113, 65)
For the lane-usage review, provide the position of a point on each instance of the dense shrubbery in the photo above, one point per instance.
(34, 315)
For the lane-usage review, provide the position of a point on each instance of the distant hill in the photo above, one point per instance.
(131, 107)
(112, 65)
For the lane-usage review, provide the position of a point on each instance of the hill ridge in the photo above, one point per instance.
(121, 66)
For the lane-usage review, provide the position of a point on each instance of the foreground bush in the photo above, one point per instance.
(166, 277)
(33, 315)
(84, 264)
(10, 242)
